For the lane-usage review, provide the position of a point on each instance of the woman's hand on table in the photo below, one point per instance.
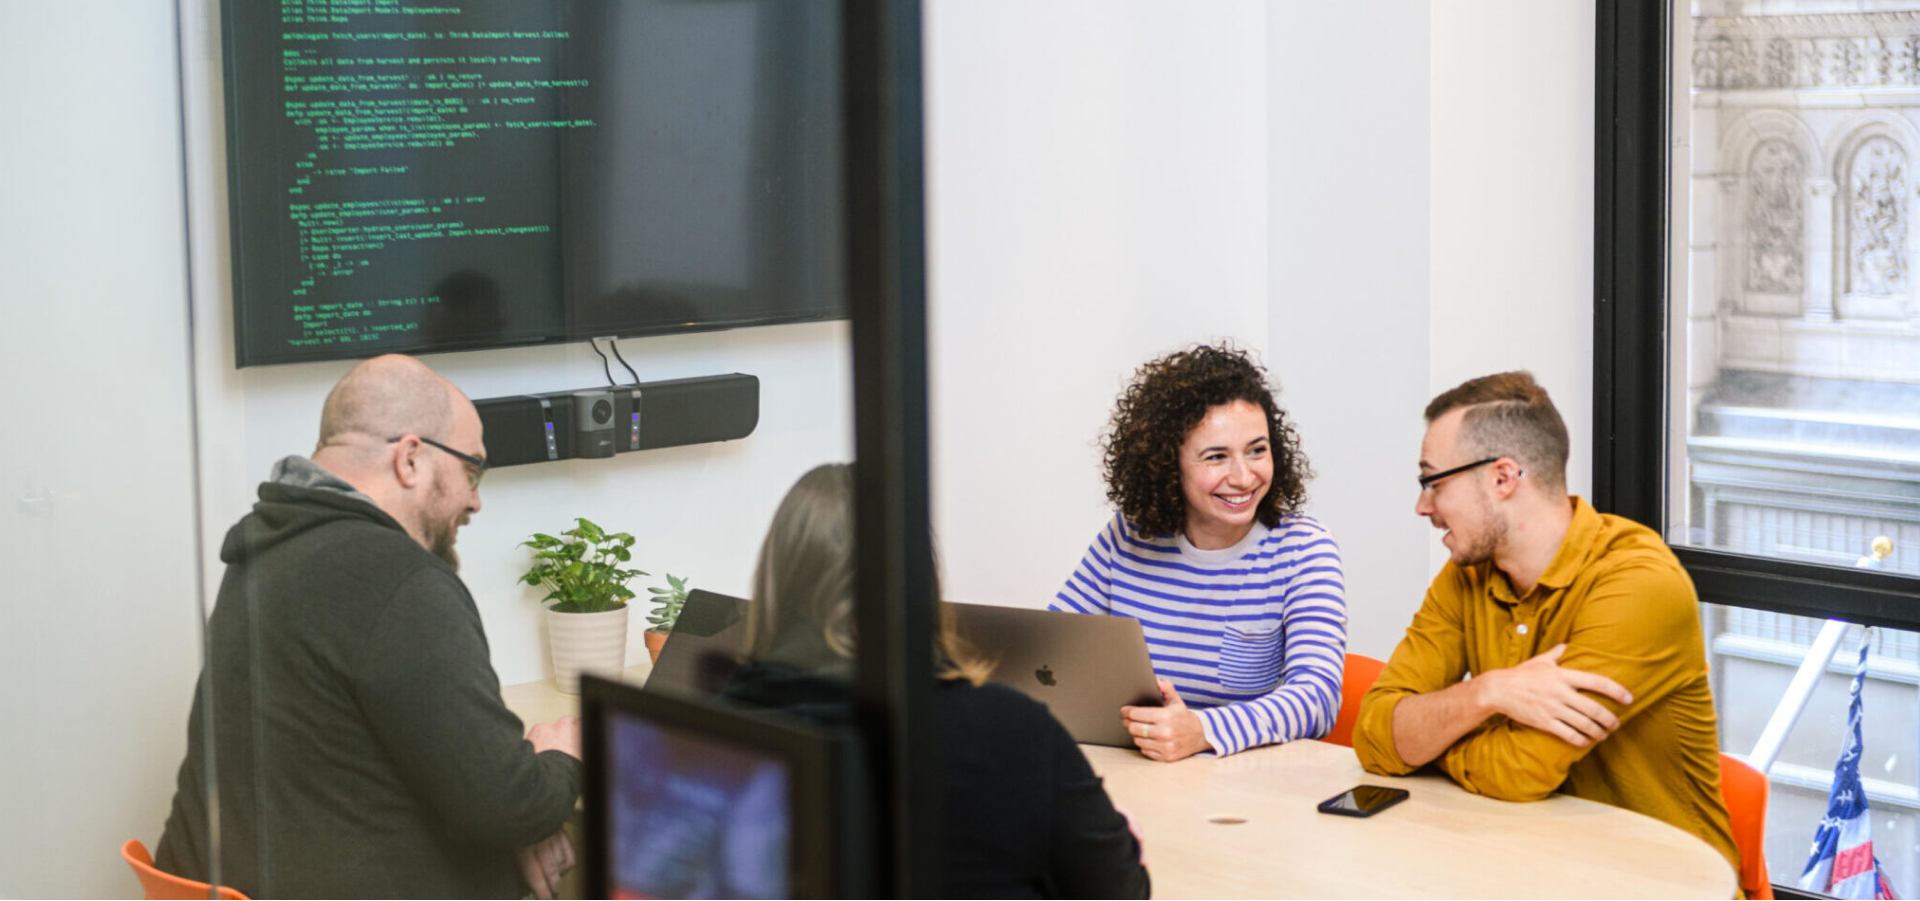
(1168, 732)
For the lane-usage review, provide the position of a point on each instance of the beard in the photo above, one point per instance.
(440, 533)
(1480, 548)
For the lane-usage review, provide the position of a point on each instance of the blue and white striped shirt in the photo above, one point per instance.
(1254, 636)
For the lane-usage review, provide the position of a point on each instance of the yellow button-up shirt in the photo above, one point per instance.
(1619, 600)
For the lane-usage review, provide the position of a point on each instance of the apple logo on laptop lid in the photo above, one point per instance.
(1045, 676)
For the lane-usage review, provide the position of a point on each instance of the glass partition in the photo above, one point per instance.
(99, 526)
(380, 644)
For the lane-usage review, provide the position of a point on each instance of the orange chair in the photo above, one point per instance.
(161, 886)
(1360, 675)
(1744, 790)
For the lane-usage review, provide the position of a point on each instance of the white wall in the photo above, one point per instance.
(697, 512)
(1349, 258)
(1432, 221)
(101, 641)
(1512, 211)
(1096, 180)
(1426, 217)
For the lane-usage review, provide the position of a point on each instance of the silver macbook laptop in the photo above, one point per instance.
(704, 647)
(1084, 668)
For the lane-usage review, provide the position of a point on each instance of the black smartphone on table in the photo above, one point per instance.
(1363, 801)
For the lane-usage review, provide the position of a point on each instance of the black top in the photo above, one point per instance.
(361, 745)
(1025, 815)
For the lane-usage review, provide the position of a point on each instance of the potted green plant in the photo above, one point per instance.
(587, 623)
(667, 603)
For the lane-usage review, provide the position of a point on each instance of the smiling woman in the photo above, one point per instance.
(1226, 467)
(1239, 592)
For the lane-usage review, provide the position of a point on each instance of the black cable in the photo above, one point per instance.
(614, 344)
(604, 365)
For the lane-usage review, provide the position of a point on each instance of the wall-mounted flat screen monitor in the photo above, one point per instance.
(412, 176)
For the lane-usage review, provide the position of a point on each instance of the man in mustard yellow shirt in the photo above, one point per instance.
(1580, 631)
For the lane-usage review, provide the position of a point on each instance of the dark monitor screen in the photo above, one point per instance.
(417, 177)
(691, 817)
(690, 800)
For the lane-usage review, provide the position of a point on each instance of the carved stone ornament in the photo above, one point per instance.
(1877, 219)
(1841, 50)
(1776, 220)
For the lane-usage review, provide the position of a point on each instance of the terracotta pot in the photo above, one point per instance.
(656, 639)
(586, 643)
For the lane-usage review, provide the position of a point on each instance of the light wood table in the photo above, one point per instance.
(542, 702)
(1441, 842)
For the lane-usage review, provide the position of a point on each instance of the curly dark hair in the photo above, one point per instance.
(1167, 399)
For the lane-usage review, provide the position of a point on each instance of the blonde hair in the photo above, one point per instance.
(805, 577)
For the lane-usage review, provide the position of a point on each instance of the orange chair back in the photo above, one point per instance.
(1744, 790)
(1360, 675)
(160, 886)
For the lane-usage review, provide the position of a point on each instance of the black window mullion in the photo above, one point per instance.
(1865, 596)
(895, 610)
(1630, 257)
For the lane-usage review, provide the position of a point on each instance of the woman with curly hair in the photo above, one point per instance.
(1239, 592)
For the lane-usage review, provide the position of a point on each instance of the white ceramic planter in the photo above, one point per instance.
(586, 643)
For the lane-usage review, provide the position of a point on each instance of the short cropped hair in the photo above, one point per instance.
(1167, 399)
(387, 397)
(1509, 415)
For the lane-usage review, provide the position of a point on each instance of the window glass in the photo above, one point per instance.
(1795, 373)
(1796, 359)
(1754, 656)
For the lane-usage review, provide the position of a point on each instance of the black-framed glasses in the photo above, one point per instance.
(1426, 482)
(479, 466)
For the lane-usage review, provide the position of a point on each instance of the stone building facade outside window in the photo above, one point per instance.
(1800, 350)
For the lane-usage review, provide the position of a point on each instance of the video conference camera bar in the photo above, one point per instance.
(602, 422)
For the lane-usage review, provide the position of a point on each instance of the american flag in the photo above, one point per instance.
(1842, 863)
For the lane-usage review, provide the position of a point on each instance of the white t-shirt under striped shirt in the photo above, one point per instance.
(1254, 636)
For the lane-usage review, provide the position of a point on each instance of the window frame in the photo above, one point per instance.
(1632, 258)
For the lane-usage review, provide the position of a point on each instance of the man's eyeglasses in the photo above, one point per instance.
(1426, 482)
(477, 468)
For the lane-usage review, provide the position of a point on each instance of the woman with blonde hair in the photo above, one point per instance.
(1025, 815)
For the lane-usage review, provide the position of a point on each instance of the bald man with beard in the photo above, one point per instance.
(360, 747)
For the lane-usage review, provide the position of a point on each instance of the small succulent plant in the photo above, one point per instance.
(669, 600)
